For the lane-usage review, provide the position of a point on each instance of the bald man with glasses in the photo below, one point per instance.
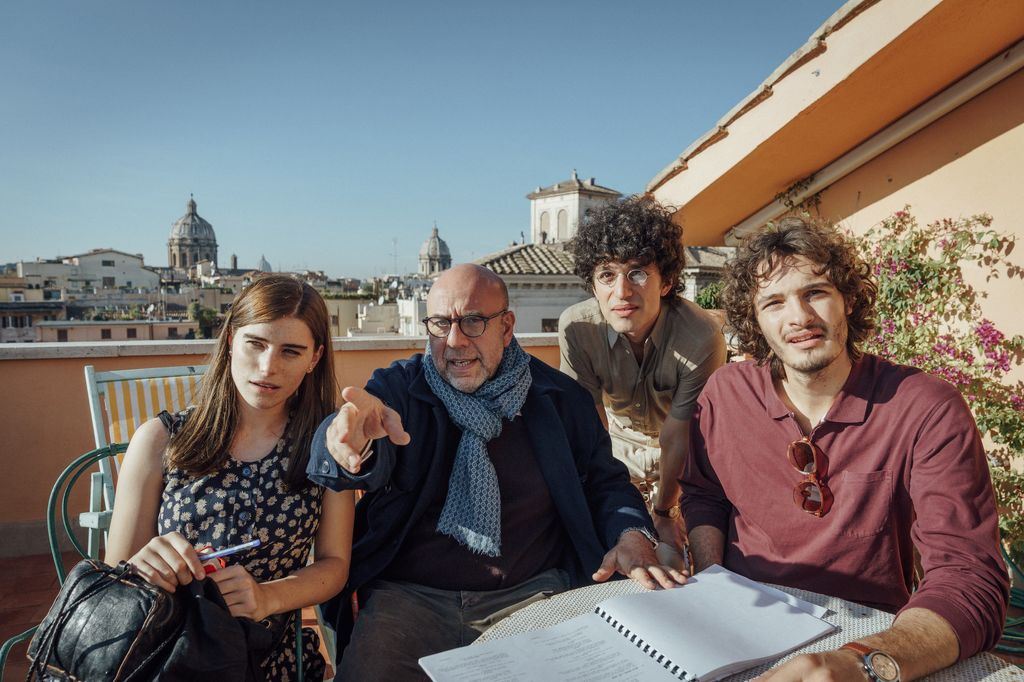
(489, 484)
(642, 351)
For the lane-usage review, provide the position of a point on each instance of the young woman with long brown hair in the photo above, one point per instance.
(232, 470)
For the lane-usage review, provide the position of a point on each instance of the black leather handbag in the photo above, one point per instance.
(109, 624)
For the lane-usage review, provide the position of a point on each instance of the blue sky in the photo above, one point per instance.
(318, 132)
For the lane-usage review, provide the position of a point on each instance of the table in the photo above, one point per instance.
(854, 621)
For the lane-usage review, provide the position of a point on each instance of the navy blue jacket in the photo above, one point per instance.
(590, 489)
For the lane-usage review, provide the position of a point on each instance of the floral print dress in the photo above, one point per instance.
(243, 501)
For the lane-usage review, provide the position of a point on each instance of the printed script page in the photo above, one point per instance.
(581, 649)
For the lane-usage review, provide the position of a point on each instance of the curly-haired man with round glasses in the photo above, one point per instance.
(642, 350)
(821, 467)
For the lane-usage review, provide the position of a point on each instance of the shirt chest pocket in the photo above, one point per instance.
(863, 503)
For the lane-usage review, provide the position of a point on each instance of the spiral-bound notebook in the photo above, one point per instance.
(718, 624)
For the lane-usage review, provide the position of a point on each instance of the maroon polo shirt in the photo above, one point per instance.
(907, 469)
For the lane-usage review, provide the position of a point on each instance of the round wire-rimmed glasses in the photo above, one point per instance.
(607, 278)
(811, 494)
(470, 325)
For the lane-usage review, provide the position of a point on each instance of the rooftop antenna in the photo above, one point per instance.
(394, 252)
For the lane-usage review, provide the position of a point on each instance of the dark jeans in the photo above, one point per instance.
(401, 622)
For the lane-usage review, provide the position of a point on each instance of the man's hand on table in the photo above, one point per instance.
(363, 418)
(831, 666)
(634, 556)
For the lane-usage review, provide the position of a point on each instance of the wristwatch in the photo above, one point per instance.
(880, 666)
(643, 531)
(670, 513)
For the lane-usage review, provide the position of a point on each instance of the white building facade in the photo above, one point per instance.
(98, 269)
(555, 211)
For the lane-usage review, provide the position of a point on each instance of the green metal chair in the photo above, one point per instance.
(59, 521)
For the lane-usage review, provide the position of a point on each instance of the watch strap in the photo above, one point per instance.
(867, 662)
(858, 647)
(670, 513)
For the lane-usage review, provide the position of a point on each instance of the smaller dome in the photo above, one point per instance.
(435, 247)
(264, 265)
(192, 226)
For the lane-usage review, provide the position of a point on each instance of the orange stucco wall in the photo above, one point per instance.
(969, 161)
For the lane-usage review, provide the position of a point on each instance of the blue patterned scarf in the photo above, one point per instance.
(472, 510)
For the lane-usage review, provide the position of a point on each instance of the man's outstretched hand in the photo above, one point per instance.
(635, 557)
(361, 419)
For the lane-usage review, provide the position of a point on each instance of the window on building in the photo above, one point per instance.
(108, 263)
(18, 297)
(108, 283)
(133, 333)
(549, 324)
(563, 224)
(62, 334)
(172, 332)
(5, 322)
(334, 320)
(545, 222)
(105, 334)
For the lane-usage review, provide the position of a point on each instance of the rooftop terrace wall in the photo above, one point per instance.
(44, 411)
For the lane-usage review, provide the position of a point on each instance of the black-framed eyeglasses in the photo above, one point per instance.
(470, 325)
(607, 278)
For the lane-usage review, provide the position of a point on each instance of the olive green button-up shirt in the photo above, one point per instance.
(685, 346)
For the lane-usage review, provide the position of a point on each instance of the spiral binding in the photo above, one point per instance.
(673, 669)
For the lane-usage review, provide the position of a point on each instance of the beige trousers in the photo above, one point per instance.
(642, 455)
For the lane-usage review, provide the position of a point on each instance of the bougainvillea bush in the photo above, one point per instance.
(928, 316)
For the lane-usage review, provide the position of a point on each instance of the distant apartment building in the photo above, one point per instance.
(411, 311)
(95, 270)
(22, 308)
(343, 314)
(376, 318)
(116, 330)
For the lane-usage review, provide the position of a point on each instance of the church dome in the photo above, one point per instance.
(192, 226)
(435, 247)
(192, 240)
(434, 255)
(264, 265)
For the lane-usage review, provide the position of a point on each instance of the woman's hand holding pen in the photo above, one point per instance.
(168, 561)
